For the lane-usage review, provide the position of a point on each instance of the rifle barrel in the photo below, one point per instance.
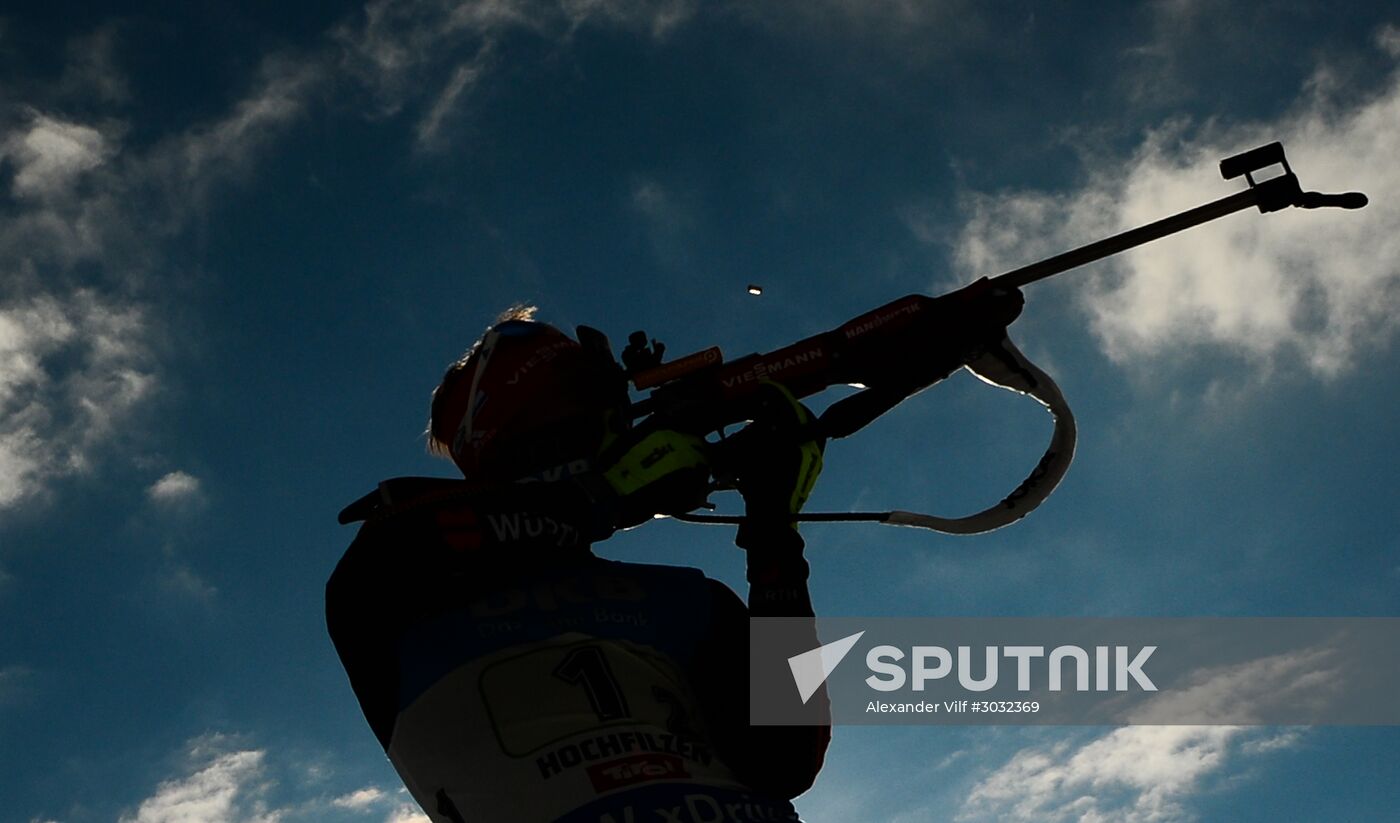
(1100, 249)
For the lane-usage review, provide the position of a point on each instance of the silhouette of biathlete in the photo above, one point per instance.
(512, 675)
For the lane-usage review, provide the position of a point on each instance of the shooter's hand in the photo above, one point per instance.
(956, 329)
(963, 324)
(982, 311)
(655, 471)
(777, 460)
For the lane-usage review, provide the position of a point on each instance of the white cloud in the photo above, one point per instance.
(79, 327)
(894, 14)
(399, 48)
(222, 780)
(915, 32)
(396, 40)
(657, 18)
(407, 814)
(1315, 287)
(650, 198)
(175, 488)
(222, 787)
(78, 361)
(1149, 773)
(1137, 774)
(1178, 31)
(1388, 38)
(190, 162)
(1250, 692)
(71, 368)
(184, 582)
(361, 799)
(51, 154)
(1286, 739)
(664, 208)
(464, 78)
(92, 69)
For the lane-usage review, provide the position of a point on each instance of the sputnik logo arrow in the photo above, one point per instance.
(811, 669)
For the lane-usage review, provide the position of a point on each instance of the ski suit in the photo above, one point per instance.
(511, 675)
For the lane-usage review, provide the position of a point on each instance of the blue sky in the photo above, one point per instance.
(239, 245)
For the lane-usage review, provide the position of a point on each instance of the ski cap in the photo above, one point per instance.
(527, 399)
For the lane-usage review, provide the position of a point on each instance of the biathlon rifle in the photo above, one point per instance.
(880, 351)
